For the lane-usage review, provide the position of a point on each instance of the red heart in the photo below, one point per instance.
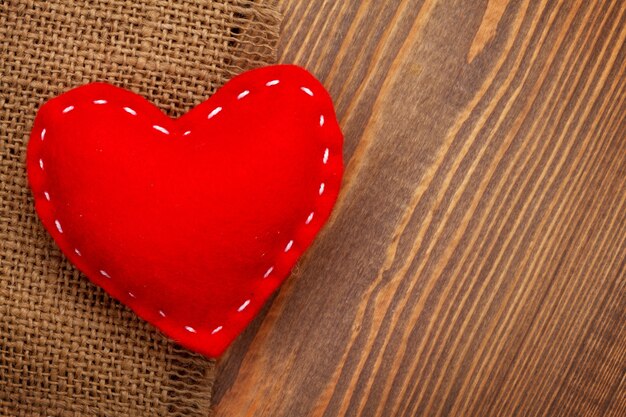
(192, 222)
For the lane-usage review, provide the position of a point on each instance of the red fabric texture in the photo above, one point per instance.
(191, 222)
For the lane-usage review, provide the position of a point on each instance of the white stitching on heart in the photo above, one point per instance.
(130, 111)
(243, 306)
(161, 129)
(214, 112)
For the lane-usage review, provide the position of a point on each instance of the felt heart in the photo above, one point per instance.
(192, 222)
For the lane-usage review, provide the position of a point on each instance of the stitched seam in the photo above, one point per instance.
(213, 113)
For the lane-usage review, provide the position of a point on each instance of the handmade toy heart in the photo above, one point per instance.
(192, 222)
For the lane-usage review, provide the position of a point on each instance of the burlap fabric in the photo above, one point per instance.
(66, 348)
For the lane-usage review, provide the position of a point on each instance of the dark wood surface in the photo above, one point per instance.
(475, 263)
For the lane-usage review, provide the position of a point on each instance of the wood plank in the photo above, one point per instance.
(475, 263)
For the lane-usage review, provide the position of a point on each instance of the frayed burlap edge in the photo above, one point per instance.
(67, 348)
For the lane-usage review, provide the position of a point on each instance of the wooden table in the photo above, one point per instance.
(475, 262)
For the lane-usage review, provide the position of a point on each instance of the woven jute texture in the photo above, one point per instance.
(67, 348)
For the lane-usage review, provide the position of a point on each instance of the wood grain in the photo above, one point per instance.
(475, 263)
